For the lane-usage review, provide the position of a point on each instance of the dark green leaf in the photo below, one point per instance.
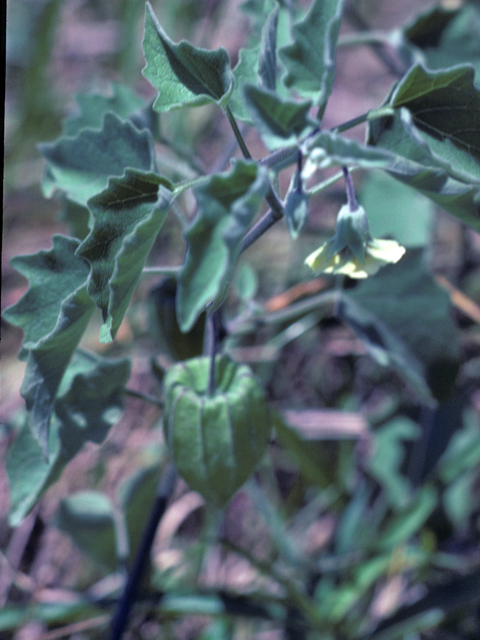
(228, 204)
(434, 134)
(88, 517)
(183, 75)
(128, 215)
(418, 166)
(310, 60)
(404, 319)
(93, 107)
(445, 107)
(89, 403)
(447, 37)
(80, 165)
(280, 121)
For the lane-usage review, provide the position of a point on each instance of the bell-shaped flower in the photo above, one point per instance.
(352, 251)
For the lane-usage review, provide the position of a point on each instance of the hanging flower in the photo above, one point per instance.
(352, 251)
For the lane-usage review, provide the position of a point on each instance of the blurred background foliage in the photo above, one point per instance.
(374, 513)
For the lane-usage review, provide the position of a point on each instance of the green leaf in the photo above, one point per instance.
(123, 102)
(387, 458)
(228, 204)
(267, 60)
(184, 75)
(310, 60)
(60, 277)
(89, 403)
(80, 165)
(446, 37)
(279, 121)
(245, 72)
(136, 496)
(53, 275)
(417, 166)
(88, 518)
(433, 134)
(327, 148)
(445, 107)
(215, 439)
(128, 215)
(408, 521)
(393, 314)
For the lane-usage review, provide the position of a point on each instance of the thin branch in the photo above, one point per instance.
(122, 614)
(160, 271)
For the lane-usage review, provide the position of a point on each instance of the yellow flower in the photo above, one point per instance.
(352, 251)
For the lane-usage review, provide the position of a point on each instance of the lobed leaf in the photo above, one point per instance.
(310, 60)
(183, 75)
(88, 403)
(80, 165)
(128, 216)
(60, 276)
(279, 121)
(228, 204)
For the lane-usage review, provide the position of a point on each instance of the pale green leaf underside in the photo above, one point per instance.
(279, 121)
(80, 165)
(89, 402)
(244, 72)
(128, 216)
(183, 75)
(329, 148)
(310, 60)
(228, 204)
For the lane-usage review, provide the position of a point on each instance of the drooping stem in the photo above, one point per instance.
(267, 221)
(122, 614)
(352, 200)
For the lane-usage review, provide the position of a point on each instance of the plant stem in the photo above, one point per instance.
(212, 353)
(352, 199)
(326, 183)
(164, 491)
(160, 271)
(267, 221)
(237, 133)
